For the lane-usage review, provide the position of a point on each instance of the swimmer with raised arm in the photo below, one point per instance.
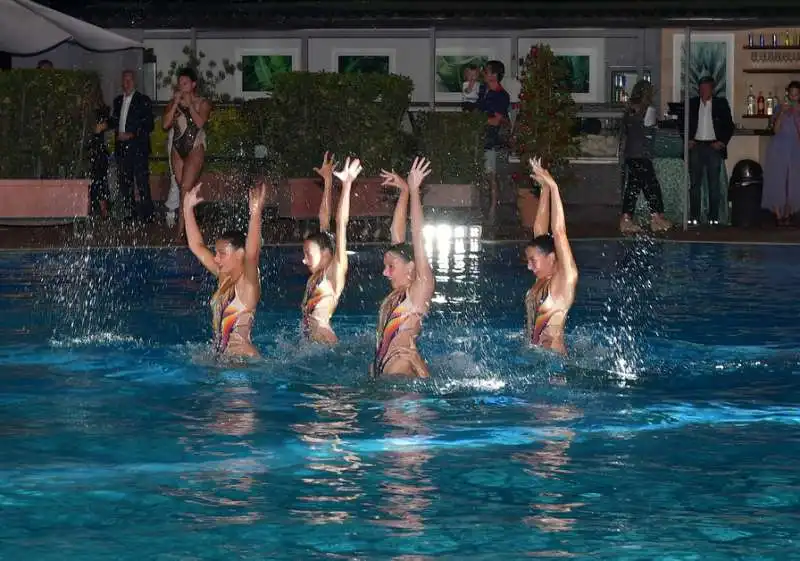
(325, 258)
(407, 268)
(235, 264)
(550, 258)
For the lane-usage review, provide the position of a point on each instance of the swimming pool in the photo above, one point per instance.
(670, 433)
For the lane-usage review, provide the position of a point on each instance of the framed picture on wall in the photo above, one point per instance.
(711, 55)
(585, 59)
(451, 64)
(259, 68)
(364, 61)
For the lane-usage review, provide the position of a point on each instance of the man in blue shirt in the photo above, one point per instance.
(494, 101)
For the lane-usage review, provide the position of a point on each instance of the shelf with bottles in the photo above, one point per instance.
(771, 71)
(622, 82)
(776, 41)
(760, 107)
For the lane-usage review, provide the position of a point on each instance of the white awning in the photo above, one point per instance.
(28, 28)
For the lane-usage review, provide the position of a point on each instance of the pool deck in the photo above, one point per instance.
(115, 234)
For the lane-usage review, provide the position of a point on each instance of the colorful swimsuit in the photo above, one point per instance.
(318, 304)
(397, 317)
(538, 314)
(232, 322)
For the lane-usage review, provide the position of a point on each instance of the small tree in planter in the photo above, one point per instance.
(545, 125)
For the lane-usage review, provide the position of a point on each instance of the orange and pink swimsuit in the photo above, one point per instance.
(399, 325)
(232, 322)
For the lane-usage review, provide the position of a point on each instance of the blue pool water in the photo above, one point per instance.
(671, 433)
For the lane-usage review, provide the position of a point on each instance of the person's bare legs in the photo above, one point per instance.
(190, 173)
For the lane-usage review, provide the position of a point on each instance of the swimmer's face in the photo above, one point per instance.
(313, 256)
(399, 271)
(228, 258)
(186, 85)
(540, 263)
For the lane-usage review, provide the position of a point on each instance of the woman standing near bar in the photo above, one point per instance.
(781, 193)
(640, 175)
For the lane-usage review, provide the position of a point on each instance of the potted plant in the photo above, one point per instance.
(545, 124)
(45, 120)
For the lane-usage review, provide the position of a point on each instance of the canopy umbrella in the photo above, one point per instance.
(28, 28)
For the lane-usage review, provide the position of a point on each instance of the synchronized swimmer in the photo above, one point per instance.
(406, 266)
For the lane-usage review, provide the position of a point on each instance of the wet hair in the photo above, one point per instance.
(543, 243)
(497, 68)
(189, 72)
(404, 250)
(324, 240)
(233, 237)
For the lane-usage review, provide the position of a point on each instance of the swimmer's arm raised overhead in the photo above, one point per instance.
(347, 176)
(568, 270)
(400, 217)
(325, 171)
(423, 287)
(193, 235)
(252, 246)
(541, 224)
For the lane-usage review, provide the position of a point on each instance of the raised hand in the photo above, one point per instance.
(258, 196)
(193, 198)
(391, 179)
(420, 169)
(325, 171)
(540, 174)
(350, 170)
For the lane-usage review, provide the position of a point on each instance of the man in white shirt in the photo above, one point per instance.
(710, 129)
(133, 119)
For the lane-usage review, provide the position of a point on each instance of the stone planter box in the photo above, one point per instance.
(299, 198)
(36, 201)
(451, 196)
(216, 188)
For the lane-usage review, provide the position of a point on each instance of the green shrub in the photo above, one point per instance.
(46, 116)
(453, 142)
(350, 114)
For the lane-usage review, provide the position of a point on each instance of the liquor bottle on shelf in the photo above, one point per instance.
(750, 39)
(770, 103)
(775, 40)
(787, 40)
(750, 103)
(760, 104)
(761, 42)
(786, 96)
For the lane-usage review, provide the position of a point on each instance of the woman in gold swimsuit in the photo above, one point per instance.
(235, 264)
(407, 268)
(325, 258)
(186, 116)
(550, 258)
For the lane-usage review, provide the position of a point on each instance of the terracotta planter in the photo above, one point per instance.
(300, 198)
(216, 187)
(451, 196)
(527, 205)
(43, 200)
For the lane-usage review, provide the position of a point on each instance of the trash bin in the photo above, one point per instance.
(744, 193)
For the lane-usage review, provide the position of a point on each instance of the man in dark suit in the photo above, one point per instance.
(710, 129)
(133, 120)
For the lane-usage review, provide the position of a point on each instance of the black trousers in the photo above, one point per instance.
(641, 176)
(704, 161)
(134, 170)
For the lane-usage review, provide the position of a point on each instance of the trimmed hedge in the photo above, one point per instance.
(46, 116)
